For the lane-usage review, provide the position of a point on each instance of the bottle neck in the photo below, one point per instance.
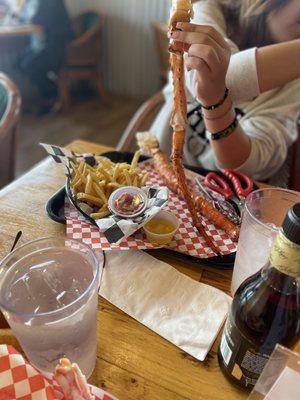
(285, 256)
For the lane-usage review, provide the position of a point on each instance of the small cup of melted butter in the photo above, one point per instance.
(161, 228)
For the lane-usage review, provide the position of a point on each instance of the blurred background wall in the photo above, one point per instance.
(130, 65)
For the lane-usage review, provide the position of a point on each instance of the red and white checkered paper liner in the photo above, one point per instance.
(20, 381)
(187, 239)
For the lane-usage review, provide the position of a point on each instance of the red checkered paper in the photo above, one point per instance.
(187, 239)
(20, 381)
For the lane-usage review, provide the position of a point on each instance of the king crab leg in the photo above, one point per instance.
(149, 145)
(182, 11)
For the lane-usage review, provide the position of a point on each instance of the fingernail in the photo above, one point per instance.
(179, 25)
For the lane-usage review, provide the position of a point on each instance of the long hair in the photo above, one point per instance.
(247, 21)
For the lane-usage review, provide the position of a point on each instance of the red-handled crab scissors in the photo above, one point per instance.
(241, 184)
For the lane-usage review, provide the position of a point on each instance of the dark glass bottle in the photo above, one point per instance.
(265, 309)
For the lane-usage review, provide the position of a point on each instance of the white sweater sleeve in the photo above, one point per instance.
(271, 122)
(241, 78)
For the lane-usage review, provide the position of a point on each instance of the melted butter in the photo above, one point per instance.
(160, 226)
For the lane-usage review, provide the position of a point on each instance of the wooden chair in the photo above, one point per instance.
(294, 182)
(10, 106)
(162, 44)
(83, 56)
(141, 121)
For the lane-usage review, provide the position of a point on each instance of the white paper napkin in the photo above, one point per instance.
(187, 313)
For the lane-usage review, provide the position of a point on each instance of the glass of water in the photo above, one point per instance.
(264, 213)
(49, 296)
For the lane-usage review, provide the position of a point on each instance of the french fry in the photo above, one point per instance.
(75, 176)
(100, 193)
(135, 160)
(90, 199)
(124, 166)
(84, 169)
(105, 162)
(116, 172)
(74, 167)
(108, 177)
(127, 178)
(100, 183)
(122, 180)
(89, 168)
(83, 178)
(103, 208)
(108, 191)
(81, 166)
(144, 179)
(135, 181)
(78, 183)
(114, 185)
(91, 172)
(89, 185)
(100, 215)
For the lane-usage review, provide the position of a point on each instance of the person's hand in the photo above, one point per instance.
(209, 55)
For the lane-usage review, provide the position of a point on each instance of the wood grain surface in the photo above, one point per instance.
(19, 30)
(132, 361)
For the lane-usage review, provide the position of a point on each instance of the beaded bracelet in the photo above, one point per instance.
(225, 132)
(214, 106)
(219, 116)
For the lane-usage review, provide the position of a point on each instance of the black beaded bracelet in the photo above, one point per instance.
(225, 132)
(214, 106)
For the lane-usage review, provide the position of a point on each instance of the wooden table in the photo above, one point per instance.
(8, 31)
(13, 39)
(133, 362)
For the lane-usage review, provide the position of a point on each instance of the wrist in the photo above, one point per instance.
(224, 132)
(218, 112)
(213, 98)
(216, 120)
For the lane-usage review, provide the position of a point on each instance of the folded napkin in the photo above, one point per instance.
(186, 312)
(20, 381)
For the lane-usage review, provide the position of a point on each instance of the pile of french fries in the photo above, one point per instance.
(94, 185)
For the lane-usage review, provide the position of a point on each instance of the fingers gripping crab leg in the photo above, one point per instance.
(182, 11)
(72, 382)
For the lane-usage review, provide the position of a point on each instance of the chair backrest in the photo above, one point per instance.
(84, 22)
(294, 183)
(84, 50)
(10, 105)
(162, 44)
(141, 121)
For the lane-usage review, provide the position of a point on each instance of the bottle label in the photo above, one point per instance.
(285, 256)
(241, 358)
